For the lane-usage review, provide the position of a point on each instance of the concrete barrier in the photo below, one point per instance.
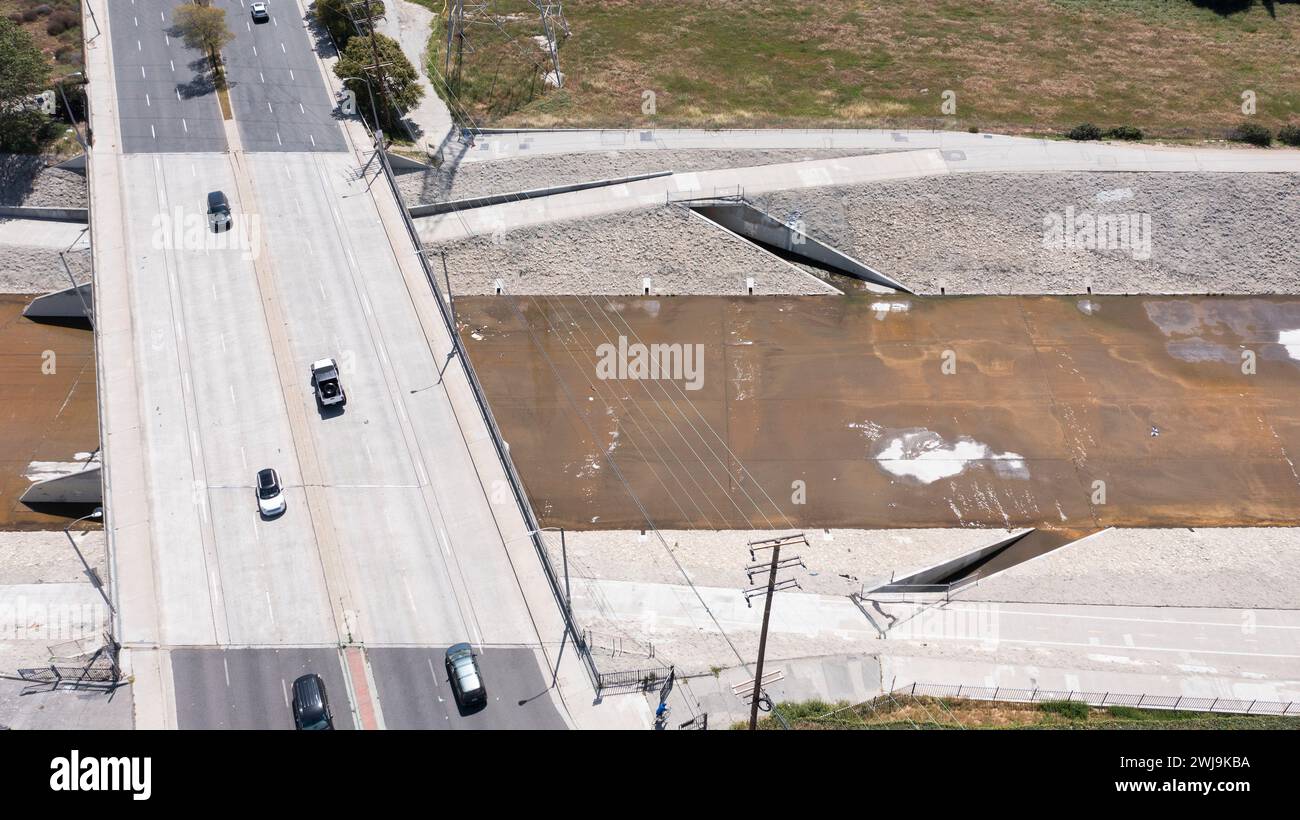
(69, 303)
(53, 214)
(751, 223)
(82, 487)
(77, 164)
(400, 163)
(496, 199)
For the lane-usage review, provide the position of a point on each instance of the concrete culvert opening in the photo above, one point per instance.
(983, 562)
(789, 243)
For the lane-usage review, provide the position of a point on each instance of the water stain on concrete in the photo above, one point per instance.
(966, 411)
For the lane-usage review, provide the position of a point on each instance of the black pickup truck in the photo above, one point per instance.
(325, 377)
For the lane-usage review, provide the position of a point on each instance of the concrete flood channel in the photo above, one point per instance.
(48, 409)
(1063, 413)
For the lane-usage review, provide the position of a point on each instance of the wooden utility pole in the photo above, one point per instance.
(769, 590)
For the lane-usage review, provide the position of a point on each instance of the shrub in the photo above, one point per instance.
(1252, 133)
(1125, 132)
(974, 129)
(1071, 709)
(1289, 135)
(1086, 131)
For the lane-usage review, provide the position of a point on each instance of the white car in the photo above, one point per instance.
(259, 11)
(270, 496)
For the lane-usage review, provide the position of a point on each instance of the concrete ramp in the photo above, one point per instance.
(755, 225)
(69, 303)
(81, 487)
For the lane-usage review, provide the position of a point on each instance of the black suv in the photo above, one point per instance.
(311, 708)
(218, 212)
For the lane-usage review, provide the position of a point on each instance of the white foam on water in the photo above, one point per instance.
(925, 456)
(1290, 339)
(42, 470)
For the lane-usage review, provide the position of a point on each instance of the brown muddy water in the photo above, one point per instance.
(48, 411)
(1066, 412)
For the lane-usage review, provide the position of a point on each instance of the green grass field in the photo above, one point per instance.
(913, 712)
(1173, 68)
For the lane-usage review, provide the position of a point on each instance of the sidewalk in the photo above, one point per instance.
(411, 25)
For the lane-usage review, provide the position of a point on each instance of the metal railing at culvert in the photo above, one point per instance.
(1237, 706)
(631, 680)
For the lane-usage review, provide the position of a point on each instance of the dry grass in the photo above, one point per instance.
(63, 49)
(1170, 67)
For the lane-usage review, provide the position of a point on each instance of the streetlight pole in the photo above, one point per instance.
(96, 514)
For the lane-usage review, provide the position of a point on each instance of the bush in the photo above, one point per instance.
(1125, 132)
(1289, 135)
(1086, 131)
(1252, 133)
(1071, 709)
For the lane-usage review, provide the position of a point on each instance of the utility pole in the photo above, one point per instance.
(364, 25)
(769, 590)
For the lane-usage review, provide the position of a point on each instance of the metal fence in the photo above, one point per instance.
(631, 680)
(1242, 706)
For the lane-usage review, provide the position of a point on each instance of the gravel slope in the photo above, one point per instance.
(38, 270)
(985, 233)
(680, 251)
(24, 180)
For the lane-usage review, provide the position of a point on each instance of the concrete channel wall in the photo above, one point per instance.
(53, 214)
(496, 199)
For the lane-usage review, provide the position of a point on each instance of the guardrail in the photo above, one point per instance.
(1239, 706)
(498, 441)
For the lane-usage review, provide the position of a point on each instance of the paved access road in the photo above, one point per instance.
(228, 688)
(276, 89)
(166, 99)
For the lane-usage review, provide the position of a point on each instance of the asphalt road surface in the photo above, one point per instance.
(414, 692)
(279, 98)
(252, 688)
(166, 101)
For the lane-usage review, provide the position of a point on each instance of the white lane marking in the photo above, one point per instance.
(282, 48)
(275, 22)
(232, 395)
(321, 285)
(291, 74)
(277, 138)
(173, 65)
(268, 107)
(286, 693)
(226, 665)
(263, 78)
(147, 101)
(269, 611)
(185, 125)
(419, 471)
(365, 304)
(249, 25)
(434, 673)
(142, 74)
(194, 174)
(300, 108)
(409, 597)
(152, 132)
(136, 20)
(178, 91)
(169, 41)
(138, 47)
(313, 140)
(162, 17)
(254, 51)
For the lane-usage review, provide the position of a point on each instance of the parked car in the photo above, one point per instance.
(259, 12)
(325, 377)
(311, 706)
(466, 679)
(270, 496)
(218, 212)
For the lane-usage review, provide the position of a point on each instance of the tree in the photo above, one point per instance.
(24, 73)
(204, 29)
(399, 76)
(333, 15)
